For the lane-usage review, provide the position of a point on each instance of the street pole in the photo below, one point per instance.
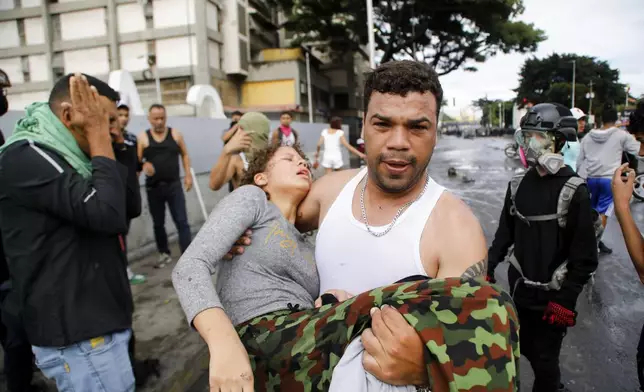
(308, 85)
(626, 102)
(500, 115)
(370, 33)
(574, 75)
(590, 103)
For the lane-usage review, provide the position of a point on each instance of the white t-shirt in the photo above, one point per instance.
(332, 144)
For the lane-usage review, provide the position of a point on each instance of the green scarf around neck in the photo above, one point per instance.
(40, 125)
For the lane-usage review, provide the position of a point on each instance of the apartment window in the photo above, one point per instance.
(243, 54)
(241, 17)
(17, 4)
(341, 101)
(174, 91)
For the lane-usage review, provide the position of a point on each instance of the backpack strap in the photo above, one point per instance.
(514, 187)
(565, 198)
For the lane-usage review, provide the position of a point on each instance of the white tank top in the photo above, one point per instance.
(350, 258)
(332, 144)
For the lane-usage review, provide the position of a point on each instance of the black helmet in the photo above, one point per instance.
(552, 118)
(4, 80)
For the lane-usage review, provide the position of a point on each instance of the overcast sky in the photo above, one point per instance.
(610, 30)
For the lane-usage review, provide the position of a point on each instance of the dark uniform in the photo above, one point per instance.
(540, 247)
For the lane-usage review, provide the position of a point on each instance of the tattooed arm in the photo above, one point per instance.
(476, 270)
(461, 248)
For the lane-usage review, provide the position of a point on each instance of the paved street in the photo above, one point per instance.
(599, 353)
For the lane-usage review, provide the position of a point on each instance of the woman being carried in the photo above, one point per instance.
(260, 322)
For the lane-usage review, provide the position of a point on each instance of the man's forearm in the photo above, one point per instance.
(632, 237)
(219, 172)
(186, 164)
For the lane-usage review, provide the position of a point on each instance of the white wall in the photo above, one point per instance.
(21, 101)
(175, 52)
(134, 56)
(6, 5)
(212, 16)
(130, 18)
(93, 61)
(38, 68)
(34, 31)
(214, 54)
(83, 24)
(170, 13)
(9, 37)
(13, 67)
(31, 3)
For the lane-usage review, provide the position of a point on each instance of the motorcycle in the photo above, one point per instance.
(638, 185)
(512, 150)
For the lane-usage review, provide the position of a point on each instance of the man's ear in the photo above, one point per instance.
(260, 179)
(65, 114)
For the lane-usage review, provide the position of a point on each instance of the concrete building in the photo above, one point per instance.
(235, 45)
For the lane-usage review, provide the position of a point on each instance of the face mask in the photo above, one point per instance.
(4, 104)
(551, 161)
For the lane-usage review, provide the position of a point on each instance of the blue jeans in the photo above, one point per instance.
(98, 365)
(172, 194)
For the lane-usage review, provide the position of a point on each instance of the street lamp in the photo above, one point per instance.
(589, 96)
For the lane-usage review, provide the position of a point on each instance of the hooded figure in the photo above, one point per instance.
(257, 126)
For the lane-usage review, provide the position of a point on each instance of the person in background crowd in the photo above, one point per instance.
(160, 148)
(285, 135)
(125, 152)
(332, 138)
(622, 188)
(581, 122)
(63, 216)
(251, 133)
(227, 134)
(571, 150)
(18, 358)
(547, 217)
(599, 156)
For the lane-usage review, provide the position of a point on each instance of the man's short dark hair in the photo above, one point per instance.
(123, 107)
(156, 106)
(609, 113)
(61, 89)
(402, 78)
(237, 113)
(286, 112)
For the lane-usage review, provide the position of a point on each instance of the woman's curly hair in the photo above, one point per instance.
(259, 161)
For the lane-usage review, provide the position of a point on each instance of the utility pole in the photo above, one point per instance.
(590, 97)
(370, 34)
(574, 75)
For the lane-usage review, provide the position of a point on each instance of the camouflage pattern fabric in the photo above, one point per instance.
(468, 326)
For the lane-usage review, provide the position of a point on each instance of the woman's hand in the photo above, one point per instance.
(341, 295)
(623, 186)
(230, 368)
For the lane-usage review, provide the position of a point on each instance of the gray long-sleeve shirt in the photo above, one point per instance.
(601, 152)
(277, 269)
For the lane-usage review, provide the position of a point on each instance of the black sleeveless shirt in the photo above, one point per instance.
(164, 156)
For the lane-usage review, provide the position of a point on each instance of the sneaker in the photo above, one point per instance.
(164, 259)
(603, 248)
(137, 279)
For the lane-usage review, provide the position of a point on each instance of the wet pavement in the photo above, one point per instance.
(598, 354)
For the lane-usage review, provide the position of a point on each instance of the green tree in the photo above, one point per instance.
(490, 109)
(550, 80)
(444, 33)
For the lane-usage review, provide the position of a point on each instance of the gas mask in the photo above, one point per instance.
(4, 103)
(538, 148)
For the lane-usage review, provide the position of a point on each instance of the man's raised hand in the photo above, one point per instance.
(87, 112)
